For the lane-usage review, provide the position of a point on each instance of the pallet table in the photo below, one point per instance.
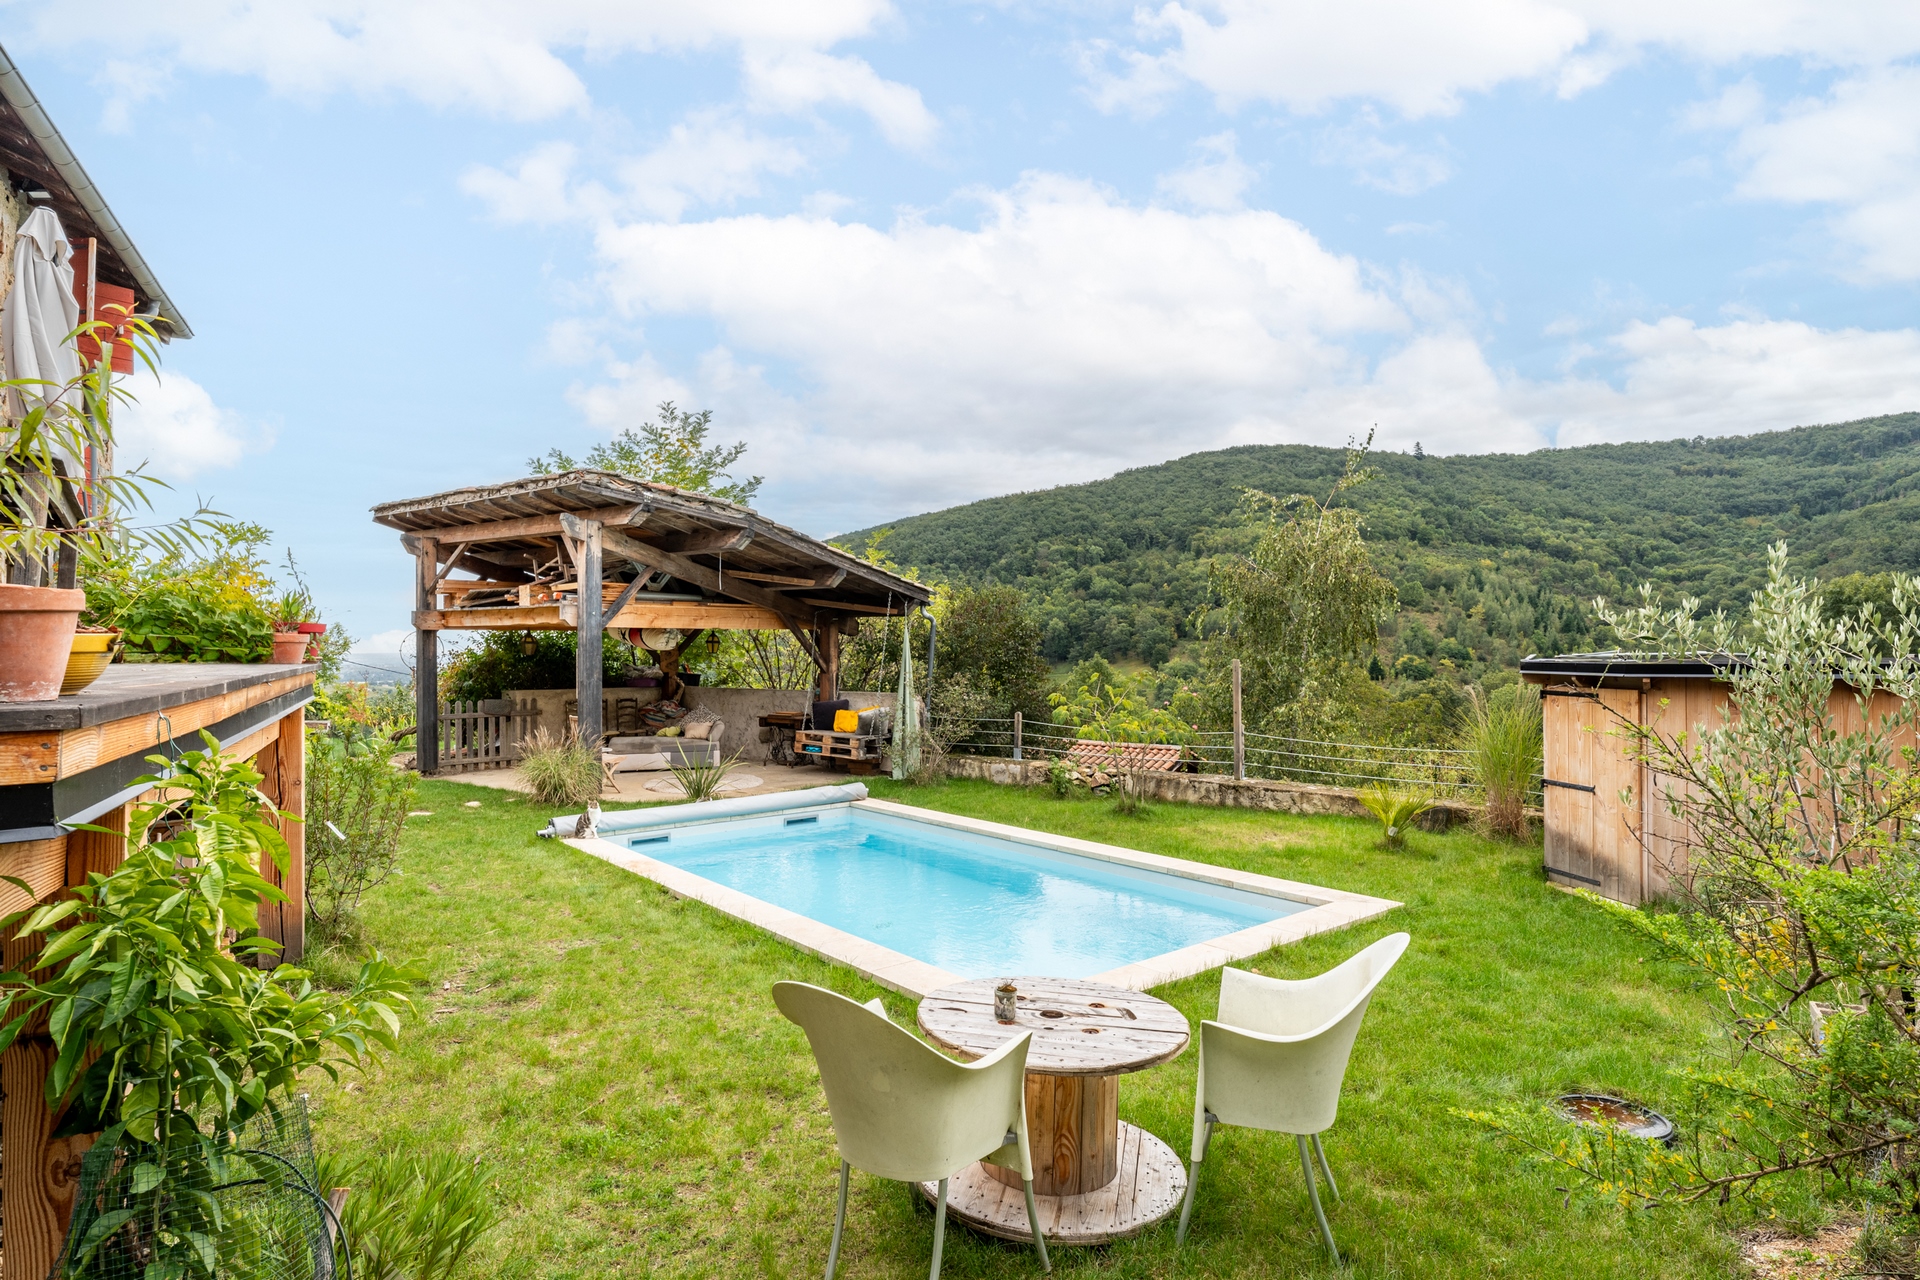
(1094, 1178)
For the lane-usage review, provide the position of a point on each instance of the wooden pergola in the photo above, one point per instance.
(662, 558)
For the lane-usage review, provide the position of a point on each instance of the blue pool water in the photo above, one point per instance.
(975, 905)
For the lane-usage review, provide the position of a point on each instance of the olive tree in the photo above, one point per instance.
(1798, 880)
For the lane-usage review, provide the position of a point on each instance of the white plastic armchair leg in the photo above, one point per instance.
(1275, 1060)
(903, 1110)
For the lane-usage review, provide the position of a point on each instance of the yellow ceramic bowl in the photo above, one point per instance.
(92, 653)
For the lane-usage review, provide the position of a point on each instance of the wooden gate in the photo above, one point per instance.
(1592, 792)
(485, 734)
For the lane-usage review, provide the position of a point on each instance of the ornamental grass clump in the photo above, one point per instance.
(702, 779)
(561, 772)
(1502, 741)
(1396, 807)
(412, 1216)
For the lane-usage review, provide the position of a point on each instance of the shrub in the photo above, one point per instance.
(1061, 775)
(497, 661)
(356, 806)
(1502, 741)
(561, 771)
(1396, 808)
(411, 1217)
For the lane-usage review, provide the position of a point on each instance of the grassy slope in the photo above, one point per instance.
(615, 1053)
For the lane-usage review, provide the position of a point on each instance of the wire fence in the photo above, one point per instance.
(1443, 771)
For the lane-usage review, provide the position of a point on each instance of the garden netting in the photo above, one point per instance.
(204, 1208)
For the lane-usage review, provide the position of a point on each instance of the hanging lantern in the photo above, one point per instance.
(528, 644)
(713, 642)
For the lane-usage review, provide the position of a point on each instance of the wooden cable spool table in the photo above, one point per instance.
(1094, 1178)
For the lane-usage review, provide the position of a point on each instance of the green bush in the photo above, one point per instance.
(209, 607)
(497, 661)
(357, 804)
(1396, 808)
(1503, 744)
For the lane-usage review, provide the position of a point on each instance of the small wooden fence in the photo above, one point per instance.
(485, 734)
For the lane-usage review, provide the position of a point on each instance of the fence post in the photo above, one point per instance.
(1239, 730)
(1016, 737)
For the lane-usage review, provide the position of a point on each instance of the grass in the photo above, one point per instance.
(615, 1051)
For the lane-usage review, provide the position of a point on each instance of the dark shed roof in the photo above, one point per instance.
(1621, 664)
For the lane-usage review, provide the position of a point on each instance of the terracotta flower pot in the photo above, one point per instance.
(313, 631)
(288, 647)
(92, 654)
(36, 636)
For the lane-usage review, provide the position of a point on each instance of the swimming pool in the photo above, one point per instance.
(975, 904)
(917, 899)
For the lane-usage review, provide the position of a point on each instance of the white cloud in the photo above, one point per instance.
(499, 57)
(1422, 58)
(1681, 379)
(1215, 181)
(1069, 334)
(796, 79)
(174, 427)
(1857, 149)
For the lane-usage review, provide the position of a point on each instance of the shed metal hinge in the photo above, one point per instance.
(1571, 786)
(1588, 694)
(1572, 875)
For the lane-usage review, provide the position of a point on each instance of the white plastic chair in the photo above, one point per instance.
(1276, 1058)
(903, 1110)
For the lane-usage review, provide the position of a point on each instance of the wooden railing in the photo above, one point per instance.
(485, 734)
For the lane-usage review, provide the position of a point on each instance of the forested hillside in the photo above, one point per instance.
(1494, 555)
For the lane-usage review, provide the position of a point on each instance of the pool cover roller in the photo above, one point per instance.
(706, 810)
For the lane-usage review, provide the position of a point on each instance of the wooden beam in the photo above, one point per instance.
(773, 579)
(452, 560)
(850, 607)
(533, 526)
(712, 615)
(832, 580)
(293, 799)
(692, 571)
(708, 541)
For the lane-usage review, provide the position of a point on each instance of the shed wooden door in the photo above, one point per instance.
(1592, 792)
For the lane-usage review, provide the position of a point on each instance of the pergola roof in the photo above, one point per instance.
(702, 553)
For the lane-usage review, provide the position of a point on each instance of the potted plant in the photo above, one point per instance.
(51, 505)
(292, 614)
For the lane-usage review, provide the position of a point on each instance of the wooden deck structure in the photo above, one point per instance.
(74, 761)
(655, 559)
(1607, 826)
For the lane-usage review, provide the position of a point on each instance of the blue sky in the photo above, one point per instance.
(918, 254)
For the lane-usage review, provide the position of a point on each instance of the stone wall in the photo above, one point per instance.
(1212, 789)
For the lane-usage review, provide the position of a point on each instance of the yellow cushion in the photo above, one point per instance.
(846, 722)
(670, 731)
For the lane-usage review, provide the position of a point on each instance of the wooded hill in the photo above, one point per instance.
(1495, 555)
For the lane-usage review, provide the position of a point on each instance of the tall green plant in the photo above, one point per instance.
(672, 451)
(412, 1217)
(1503, 745)
(357, 807)
(1307, 598)
(167, 1036)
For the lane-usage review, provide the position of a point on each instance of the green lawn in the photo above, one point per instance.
(615, 1053)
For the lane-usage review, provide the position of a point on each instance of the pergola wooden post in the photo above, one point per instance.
(426, 663)
(826, 639)
(586, 661)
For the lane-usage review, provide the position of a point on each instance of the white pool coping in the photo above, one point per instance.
(1327, 909)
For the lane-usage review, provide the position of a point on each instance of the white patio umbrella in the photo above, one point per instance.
(41, 313)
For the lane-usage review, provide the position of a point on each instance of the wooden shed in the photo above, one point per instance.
(1607, 825)
(591, 551)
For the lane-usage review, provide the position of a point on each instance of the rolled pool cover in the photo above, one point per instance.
(737, 807)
